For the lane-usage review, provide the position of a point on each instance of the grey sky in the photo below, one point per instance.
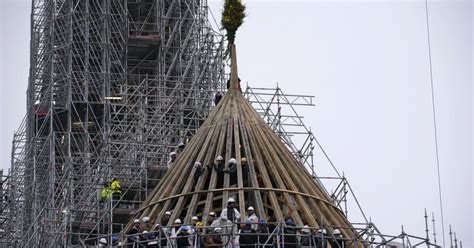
(367, 64)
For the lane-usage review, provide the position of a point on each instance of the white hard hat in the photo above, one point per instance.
(217, 230)
(250, 208)
(181, 144)
(167, 213)
(194, 218)
(177, 221)
(212, 214)
(232, 161)
(322, 231)
(135, 221)
(305, 229)
(197, 164)
(173, 153)
(157, 225)
(337, 232)
(231, 200)
(219, 158)
(120, 244)
(145, 219)
(102, 241)
(145, 231)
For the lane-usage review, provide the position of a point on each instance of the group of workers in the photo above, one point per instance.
(220, 168)
(223, 231)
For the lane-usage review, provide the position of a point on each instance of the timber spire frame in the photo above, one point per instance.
(272, 181)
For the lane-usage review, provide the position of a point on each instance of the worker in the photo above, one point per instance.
(262, 230)
(173, 156)
(106, 192)
(211, 218)
(198, 170)
(217, 98)
(153, 236)
(183, 237)
(232, 170)
(231, 212)
(252, 218)
(115, 240)
(289, 237)
(145, 223)
(199, 240)
(194, 221)
(245, 170)
(320, 239)
(143, 238)
(247, 236)
(194, 230)
(339, 240)
(102, 242)
(219, 167)
(161, 235)
(132, 237)
(306, 238)
(181, 234)
(181, 147)
(166, 218)
(116, 188)
(228, 84)
(174, 229)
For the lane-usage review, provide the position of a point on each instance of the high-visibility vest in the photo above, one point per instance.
(116, 187)
(106, 193)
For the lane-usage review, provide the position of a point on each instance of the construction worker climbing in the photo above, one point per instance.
(106, 192)
(116, 188)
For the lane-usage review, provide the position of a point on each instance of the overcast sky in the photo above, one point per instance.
(366, 62)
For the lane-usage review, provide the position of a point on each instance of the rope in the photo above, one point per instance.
(434, 119)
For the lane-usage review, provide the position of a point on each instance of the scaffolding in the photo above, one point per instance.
(114, 86)
(282, 112)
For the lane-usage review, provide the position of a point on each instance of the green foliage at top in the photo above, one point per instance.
(232, 18)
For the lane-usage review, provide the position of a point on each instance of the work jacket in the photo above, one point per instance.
(106, 193)
(116, 186)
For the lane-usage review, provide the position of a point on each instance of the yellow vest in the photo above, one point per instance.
(116, 187)
(106, 193)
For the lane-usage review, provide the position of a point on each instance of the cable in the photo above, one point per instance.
(434, 120)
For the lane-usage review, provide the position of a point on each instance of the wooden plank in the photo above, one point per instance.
(259, 210)
(240, 182)
(209, 157)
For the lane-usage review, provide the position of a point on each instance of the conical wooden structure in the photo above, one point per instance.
(273, 181)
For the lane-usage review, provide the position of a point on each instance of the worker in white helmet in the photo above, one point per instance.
(198, 170)
(165, 219)
(173, 156)
(102, 242)
(232, 170)
(145, 223)
(219, 167)
(132, 234)
(231, 212)
(176, 225)
(181, 147)
(320, 238)
(305, 237)
(252, 218)
(339, 240)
